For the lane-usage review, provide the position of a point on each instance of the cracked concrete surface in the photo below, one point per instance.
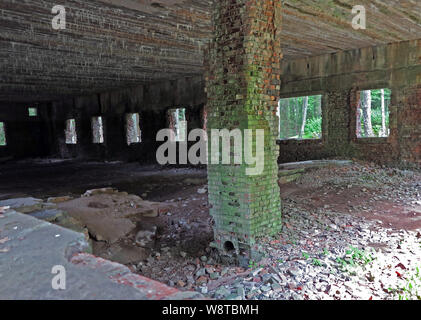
(30, 248)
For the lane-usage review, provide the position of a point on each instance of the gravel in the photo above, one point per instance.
(327, 253)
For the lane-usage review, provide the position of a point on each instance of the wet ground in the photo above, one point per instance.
(49, 178)
(349, 232)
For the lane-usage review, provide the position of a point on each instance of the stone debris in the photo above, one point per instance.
(3, 209)
(23, 205)
(202, 191)
(349, 232)
(146, 237)
(110, 215)
(92, 192)
(330, 248)
(109, 229)
(287, 176)
(59, 199)
(49, 215)
(127, 254)
(112, 220)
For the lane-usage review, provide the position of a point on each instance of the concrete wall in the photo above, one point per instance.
(339, 77)
(25, 136)
(151, 101)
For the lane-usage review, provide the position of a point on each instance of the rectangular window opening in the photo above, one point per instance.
(71, 136)
(97, 130)
(300, 118)
(177, 122)
(134, 134)
(2, 135)
(32, 112)
(373, 113)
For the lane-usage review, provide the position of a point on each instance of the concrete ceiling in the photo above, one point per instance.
(107, 44)
(111, 44)
(314, 27)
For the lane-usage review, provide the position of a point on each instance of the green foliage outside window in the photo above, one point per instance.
(376, 112)
(32, 112)
(2, 135)
(294, 111)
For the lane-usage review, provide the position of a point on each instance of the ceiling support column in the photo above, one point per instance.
(243, 82)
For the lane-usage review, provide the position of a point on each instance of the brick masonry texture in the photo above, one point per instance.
(339, 78)
(243, 82)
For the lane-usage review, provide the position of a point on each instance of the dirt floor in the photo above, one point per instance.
(349, 232)
(45, 178)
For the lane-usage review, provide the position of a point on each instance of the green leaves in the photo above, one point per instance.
(317, 262)
(313, 128)
(354, 257)
(2, 135)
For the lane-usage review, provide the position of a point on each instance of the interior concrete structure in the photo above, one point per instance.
(226, 64)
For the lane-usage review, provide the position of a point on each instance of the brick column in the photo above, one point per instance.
(243, 81)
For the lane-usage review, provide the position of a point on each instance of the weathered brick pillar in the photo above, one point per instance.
(243, 81)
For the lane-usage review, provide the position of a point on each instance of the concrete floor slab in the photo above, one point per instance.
(30, 248)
